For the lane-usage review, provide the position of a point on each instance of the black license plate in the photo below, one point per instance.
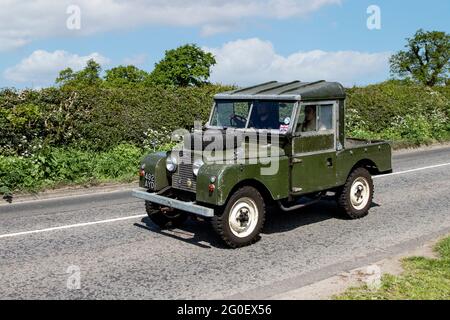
(149, 181)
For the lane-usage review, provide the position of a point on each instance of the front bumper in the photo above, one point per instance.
(191, 207)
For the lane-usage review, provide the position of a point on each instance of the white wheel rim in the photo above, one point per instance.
(360, 193)
(243, 217)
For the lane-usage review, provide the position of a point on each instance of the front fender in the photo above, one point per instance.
(230, 175)
(155, 163)
(203, 180)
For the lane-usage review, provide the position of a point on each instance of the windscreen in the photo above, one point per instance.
(271, 115)
(232, 114)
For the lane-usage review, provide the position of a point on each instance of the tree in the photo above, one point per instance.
(184, 66)
(426, 59)
(89, 76)
(65, 76)
(125, 75)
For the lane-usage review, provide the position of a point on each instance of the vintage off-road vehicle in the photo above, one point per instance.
(285, 147)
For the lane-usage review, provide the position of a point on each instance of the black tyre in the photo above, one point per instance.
(165, 220)
(355, 197)
(241, 221)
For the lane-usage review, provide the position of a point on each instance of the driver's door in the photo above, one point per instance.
(314, 148)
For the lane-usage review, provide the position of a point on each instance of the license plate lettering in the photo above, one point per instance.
(149, 181)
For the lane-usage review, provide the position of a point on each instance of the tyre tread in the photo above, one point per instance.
(218, 220)
(343, 200)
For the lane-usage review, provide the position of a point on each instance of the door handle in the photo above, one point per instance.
(329, 162)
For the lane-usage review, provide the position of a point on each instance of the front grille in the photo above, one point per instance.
(184, 178)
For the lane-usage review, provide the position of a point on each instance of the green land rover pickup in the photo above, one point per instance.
(270, 147)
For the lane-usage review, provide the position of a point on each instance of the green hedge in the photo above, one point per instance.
(62, 166)
(399, 112)
(97, 118)
(58, 135)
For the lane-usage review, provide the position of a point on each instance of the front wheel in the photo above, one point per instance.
(241, 221)
(355, 197)
(165, 220)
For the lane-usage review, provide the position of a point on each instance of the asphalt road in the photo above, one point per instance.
(128, 258)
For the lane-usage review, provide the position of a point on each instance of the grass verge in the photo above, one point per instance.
(422, 279)
(58, 167)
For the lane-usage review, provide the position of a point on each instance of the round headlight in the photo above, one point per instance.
(197, 165)
(171, 163)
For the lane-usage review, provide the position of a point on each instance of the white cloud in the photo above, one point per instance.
(211, 29)
(251, 61)
(42, 67)
(24, 21)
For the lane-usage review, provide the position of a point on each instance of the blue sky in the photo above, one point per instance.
(254, 41)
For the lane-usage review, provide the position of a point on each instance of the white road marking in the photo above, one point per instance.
(412, 170)
(77, 225)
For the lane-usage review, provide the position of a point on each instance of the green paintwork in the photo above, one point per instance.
(155, 164)
(307, 164)
(230, 175)
(305, 144)
(312, 173)
(379, 153)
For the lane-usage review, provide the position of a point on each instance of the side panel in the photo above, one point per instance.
(155, 164)
(313, 143)
(314, 172)
(229, 175)
(380, 154)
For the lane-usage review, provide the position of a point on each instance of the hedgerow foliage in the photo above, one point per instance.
(55, 166)
(97, 133)
(402, 112)
(97, 118)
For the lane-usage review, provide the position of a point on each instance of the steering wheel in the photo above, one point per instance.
(239, 120)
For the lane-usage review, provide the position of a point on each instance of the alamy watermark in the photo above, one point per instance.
(373, 277)
(73, 22)
(229, 146)
(374, 19)
(74, 279)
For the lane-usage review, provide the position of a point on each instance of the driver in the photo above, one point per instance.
(264, 118)
(310, 119)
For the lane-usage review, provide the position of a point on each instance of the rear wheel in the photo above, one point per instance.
(165, 219)
(355, 197)
(242, 219)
